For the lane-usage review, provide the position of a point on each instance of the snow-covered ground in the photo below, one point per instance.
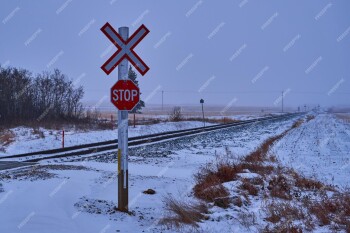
(26, 141)
(80, 195)
(319, 148)
(82, 200)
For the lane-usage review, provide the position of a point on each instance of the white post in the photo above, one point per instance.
(123, 136)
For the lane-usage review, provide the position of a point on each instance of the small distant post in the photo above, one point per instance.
(134, 121)
(112, 121)
(63, 138)
(202, 102)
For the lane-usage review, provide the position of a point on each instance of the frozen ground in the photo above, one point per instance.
(26, 141)
(81, 195)
(319, 148)
(62, 198)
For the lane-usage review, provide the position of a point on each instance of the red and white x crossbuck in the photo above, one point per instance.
(125, 49)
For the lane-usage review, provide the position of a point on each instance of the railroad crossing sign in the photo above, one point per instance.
(125, 49)
(125, 95)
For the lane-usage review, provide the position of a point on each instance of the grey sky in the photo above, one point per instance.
(244, 52)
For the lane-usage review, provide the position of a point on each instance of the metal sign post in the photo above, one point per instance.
(123, 195)
(202, 102)
(124, 95)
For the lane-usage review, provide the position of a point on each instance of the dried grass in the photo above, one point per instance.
(280, 187)
(308, 184)
(212, 190)
(297, 124)
(258, 168)
(38, 132)
(226, 171)
(209, 179)
(249, 187)
(182, 213)
(278, 211)
(260, 154)
(283, 228)
(7, 137)
(334, 209)
(237, 201)
(283, 184)
(309, 118)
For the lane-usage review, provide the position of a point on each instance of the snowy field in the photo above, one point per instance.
(80, 196)
(319, 148)
(26, 141)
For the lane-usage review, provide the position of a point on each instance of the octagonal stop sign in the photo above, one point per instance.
(125, 95)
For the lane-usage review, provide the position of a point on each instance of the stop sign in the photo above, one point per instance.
(125, 95)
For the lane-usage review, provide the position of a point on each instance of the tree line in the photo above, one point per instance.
(28, 97)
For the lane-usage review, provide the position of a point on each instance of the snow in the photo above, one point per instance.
(319, 148)
(68, 201)
(49, 205)
(26, 141)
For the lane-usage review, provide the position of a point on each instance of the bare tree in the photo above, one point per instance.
(49, 95)
(176, 114)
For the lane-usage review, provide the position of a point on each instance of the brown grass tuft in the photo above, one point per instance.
(283, 228)
(227, 171)
(308, 184)
(258, 168)
(335, 209)
(257, 181)
(181, 213)
(237, 201)
(250, 188)
(210, 188)
(320, 213)
(297, 124)
(259, 155)
(280, 187)
(7, 138)
(309, 118)
(208, 183)
(278, 210)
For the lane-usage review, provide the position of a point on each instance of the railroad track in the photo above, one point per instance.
(93, 148)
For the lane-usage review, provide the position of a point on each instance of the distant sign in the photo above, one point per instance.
(125, 95)
(125, 49)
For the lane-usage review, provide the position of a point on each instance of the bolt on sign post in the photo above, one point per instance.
(125, 95)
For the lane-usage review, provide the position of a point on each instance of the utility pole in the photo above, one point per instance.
(123, 192)
(202, 102)
(282, 100)
(162, 99)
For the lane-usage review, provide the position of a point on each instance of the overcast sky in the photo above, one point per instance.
(243, 52)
